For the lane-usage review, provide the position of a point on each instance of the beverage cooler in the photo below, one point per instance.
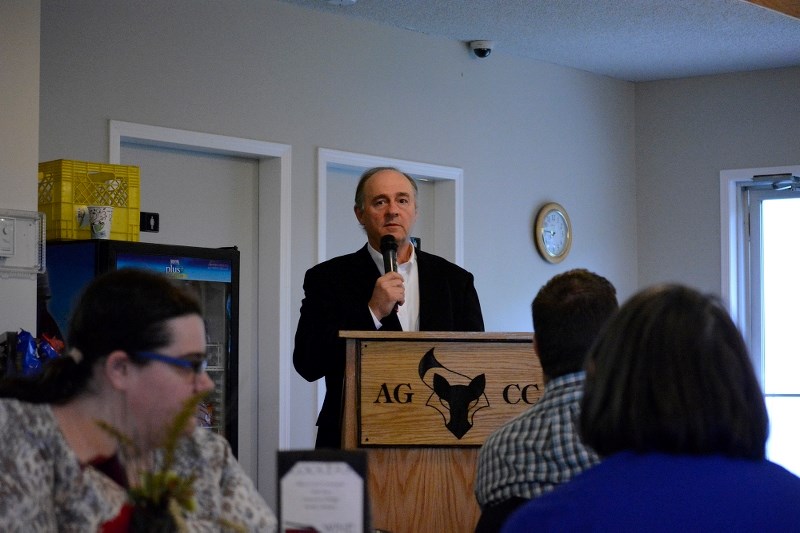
(212, 274)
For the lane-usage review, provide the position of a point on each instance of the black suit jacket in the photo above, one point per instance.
(336, 295)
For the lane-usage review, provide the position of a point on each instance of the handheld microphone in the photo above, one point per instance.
(389, 251)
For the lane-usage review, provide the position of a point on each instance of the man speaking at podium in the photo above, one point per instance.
(356, 292)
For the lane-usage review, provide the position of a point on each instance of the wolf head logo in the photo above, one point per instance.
(456, 396)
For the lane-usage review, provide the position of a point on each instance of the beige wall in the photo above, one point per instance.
(687, 131)
(19, 141)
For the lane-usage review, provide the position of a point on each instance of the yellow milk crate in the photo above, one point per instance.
(67, 187)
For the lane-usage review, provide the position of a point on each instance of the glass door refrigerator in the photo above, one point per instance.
(212, 274)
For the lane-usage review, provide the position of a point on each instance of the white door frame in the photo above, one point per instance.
(272, 321)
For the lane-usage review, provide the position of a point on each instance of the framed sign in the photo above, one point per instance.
(322, 491)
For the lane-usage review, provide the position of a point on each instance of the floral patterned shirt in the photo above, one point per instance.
(43, 487)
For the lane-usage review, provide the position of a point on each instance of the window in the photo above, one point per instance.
(760, 211)
(774, 251)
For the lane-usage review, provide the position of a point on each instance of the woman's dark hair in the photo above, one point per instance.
(671, 373)
(568, 313)
(125, 310)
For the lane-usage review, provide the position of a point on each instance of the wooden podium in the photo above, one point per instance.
(421, 404)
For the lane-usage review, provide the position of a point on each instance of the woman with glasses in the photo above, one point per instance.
(136, 357)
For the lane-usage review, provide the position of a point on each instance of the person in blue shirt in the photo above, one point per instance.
(673, 407)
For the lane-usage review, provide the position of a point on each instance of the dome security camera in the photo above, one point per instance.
(481, 49)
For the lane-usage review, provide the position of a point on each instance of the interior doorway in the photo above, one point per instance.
(267, 167)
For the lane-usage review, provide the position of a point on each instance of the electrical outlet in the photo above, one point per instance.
(7, 227)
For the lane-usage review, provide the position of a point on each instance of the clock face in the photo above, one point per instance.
(553, 232)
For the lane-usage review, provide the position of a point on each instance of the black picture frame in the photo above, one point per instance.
(327, 464)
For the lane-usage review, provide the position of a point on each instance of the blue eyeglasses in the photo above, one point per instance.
(198, 366)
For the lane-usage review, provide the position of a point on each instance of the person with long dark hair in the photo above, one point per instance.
(672, 405)
(135, 359)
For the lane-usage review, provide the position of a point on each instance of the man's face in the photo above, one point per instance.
(390, 207)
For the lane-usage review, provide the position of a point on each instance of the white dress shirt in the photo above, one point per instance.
(408, 313)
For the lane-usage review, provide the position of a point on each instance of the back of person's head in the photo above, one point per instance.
(568, 312)
(124, 310)
(671, 373)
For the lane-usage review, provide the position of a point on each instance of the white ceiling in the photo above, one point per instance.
(634, 40)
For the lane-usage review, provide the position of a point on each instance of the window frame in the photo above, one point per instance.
(734, 254)
(741, 198)
(754, 196)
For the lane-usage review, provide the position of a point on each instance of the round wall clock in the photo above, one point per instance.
(553, 232)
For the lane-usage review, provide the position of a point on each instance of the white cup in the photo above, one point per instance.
(100, 221)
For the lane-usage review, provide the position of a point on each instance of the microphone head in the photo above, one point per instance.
(388, 243)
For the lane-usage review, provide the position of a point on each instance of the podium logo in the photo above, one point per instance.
(456, 396)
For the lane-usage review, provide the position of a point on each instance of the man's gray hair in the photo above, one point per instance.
(359, 200)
